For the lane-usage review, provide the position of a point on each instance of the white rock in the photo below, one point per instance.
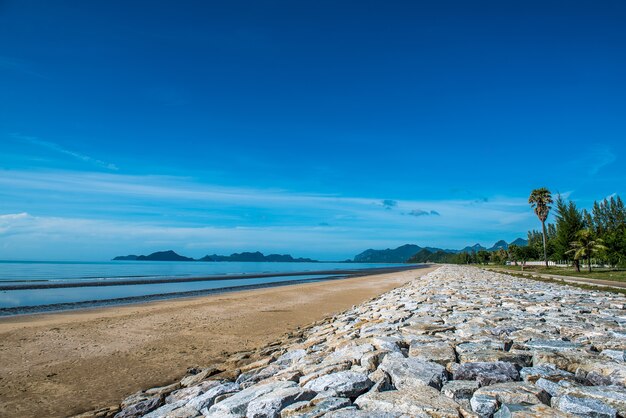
(341, 384)
(413, 372)
(237, 405)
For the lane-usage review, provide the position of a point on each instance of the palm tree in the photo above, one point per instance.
(540, 200)
(585, 247)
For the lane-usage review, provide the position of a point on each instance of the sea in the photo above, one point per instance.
(38, 286)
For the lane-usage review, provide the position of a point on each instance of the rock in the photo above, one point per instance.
(259, 364)
(324, 371)
(270, 405)
(355, 413)
(223, 396)
(382, 383)
(613, 396)
(208, 398)
(503, 331)
(315, 409)
(290, 357)
(552, 345)
(165, 410)
(438, 352)
(413, 372)
(602, 372)
(564, 360)
(515, 393)
(428, 329)
(555, 388)
(199, 377)
(486, 373)
(254, 376)
(237, 405)
(617, 355)
(390, 344)
(230, 375)
(483, 345)
(149, 395)
(140, 408)
(352, 354)
(528, 411)
(546, 371)
(519, 358)
(163, 390)
(341, 384)
(414, 401)
(288, 374)
(191, 392)
(550, 387)
(106, 412)
(460, 389)
(182, 412)
(484, 405)
(294, 409)
(370, 361)
(583, 407)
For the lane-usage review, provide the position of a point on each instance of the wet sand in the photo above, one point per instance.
(67, 363)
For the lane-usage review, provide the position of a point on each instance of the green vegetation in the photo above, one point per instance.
(463, 257)
(596, 238)
(585, 247)
(540, 200)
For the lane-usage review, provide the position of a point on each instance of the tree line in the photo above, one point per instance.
(581, 236)
(576, 237)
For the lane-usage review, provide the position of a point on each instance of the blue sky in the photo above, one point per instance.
(314, 128)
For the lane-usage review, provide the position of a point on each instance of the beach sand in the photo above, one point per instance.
(67, 363)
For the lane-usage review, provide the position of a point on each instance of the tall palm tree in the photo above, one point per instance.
(585, 247)
(540, 200)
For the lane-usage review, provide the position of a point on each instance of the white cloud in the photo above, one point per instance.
(599, 157)
(110, 214)
(56, 147)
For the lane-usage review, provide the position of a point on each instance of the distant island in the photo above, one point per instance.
(416, 254)
(257, 256)
(245, 256)
(405, 253)
(158, 256)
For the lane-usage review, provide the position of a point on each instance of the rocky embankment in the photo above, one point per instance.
(457, 342)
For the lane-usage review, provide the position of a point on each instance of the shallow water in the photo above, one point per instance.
(116, 270)
(88, 284)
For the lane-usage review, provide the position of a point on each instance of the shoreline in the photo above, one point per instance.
(139, 300)
(131, 300)
(63, 363)
(51, 284)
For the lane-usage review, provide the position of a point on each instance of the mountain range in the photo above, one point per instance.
(389, 255)
(245, 256)
(404, 252)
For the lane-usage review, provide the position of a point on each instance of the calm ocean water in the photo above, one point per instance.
(70, 285)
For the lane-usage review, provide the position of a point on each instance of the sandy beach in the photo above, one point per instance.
(67, 363)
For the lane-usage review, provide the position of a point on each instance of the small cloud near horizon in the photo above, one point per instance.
(389, 204)
(600, 156)
(420, 212)
(58, 148)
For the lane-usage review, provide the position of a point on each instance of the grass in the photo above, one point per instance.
(618, 275)
(527, 275)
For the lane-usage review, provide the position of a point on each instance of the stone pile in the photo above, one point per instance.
(458, 342)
